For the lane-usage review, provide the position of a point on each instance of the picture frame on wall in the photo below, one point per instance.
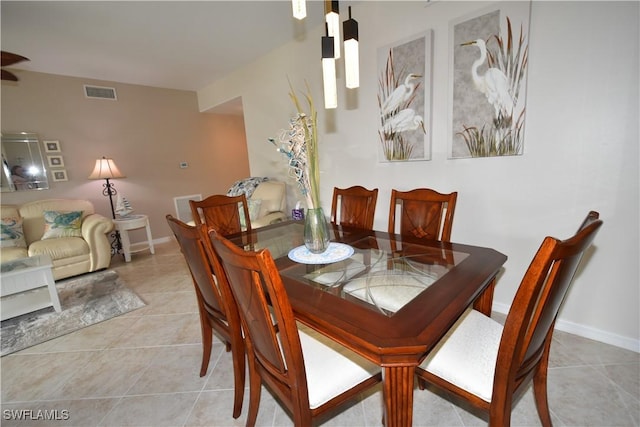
(59, 175)
(404, 99)
(488, 55)
(52, 146)
(55, 161)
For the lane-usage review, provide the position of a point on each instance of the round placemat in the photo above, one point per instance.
(334, 253)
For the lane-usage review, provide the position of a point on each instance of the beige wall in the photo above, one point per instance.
(147, 131)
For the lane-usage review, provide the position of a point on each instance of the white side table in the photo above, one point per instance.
(133, 222)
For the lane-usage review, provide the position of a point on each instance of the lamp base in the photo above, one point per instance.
(116, 244)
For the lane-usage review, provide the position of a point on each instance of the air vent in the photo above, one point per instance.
(100, 92)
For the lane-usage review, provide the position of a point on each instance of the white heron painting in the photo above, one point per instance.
(490, 58)
(404, 88)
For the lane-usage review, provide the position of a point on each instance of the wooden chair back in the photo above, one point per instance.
(524, 344)
(222, 213)
(273, 344)
(529, 324)
(272, 338)
(357, 206)
(217, 312)
(424, 213)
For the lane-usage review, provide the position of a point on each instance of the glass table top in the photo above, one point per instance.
(22, 264)
(384, 274)
(281, 239)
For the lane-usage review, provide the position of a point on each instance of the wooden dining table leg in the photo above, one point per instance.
(484, 302)
(398, 395)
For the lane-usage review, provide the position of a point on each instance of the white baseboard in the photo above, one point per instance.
(586, 332)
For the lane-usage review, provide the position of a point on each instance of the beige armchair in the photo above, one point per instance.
(273, 203)
(71, 255)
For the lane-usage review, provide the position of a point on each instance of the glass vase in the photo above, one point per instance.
(316, 231)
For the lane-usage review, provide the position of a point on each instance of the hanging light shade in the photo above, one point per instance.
(351, 52)
(332, 17)
(299, 8)
(329, 73)
(106, 169)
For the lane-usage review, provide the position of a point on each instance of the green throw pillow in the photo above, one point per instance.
(62, 224)
(12, 233)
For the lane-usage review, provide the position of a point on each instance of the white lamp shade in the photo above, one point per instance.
(351, 63)
(106, 169)
(330, 85)
(333, 25)
(299, 8)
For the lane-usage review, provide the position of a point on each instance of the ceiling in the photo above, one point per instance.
(169, 44)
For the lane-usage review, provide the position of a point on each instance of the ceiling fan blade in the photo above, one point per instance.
(6, 75)
(9, 58)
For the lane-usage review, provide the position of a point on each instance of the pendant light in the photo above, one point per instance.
(299, 8)
(329, 72)
(332, 17)
(351, 52)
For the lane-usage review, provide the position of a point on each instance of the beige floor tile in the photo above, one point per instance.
(584, 397)
(151, 410)
(174, 369)
(594, 352)
(168, 303)
(169, 281)
(215, 408)
(223, 376)
(626, 376)
(110, 373)
(39, 376)
(372, 406)
(166, 329)
(429, 409)
(632, 406)
(352, 414)
(61, 413)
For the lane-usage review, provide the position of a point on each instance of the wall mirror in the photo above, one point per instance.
(23, 167)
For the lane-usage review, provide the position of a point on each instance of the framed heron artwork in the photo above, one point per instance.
(404, 99)
(489, 59)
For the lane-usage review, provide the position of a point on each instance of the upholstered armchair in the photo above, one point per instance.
(273, 203)
(267, 199)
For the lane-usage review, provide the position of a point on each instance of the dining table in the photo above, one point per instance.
(387, 297)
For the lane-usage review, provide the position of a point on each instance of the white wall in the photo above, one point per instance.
(581, 144)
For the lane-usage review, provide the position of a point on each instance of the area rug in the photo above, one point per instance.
(85, 300)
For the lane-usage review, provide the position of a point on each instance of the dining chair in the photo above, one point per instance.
(424, 213)
(357, 206)
(217, 313)
(223, 213)
(487, 364)
(309, 373)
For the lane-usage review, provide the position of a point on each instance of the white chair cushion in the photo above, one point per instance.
(331, 368)
(466, 355)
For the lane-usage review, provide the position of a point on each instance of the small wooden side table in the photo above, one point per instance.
(133, 222)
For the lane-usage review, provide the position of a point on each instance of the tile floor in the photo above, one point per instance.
(141, 369)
